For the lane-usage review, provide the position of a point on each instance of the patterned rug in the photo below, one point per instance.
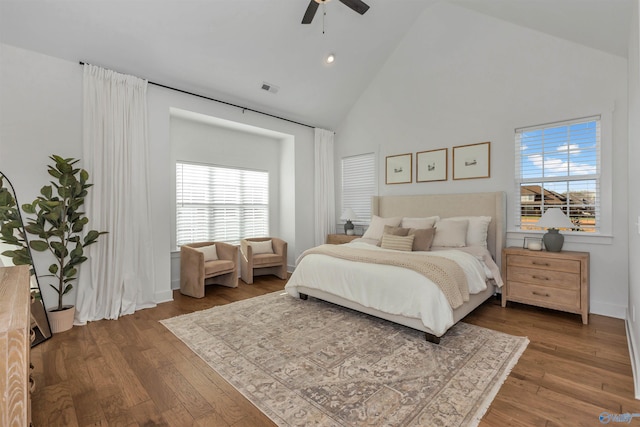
(307, 363)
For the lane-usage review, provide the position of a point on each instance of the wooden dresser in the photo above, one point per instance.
(15, 344)
(557, 280)
(338, 239)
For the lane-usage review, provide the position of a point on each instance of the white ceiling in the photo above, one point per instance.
(226, 49)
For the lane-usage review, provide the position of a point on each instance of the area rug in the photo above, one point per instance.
(312, 363)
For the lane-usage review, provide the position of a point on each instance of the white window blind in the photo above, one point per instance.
(359, 184)
(558, 165)
(220, 204)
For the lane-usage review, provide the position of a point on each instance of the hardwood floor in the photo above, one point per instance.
(134, 372)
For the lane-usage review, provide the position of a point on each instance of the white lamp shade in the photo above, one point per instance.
(554, 218)
(349, 214)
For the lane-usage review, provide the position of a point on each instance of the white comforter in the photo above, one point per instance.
(390, 289)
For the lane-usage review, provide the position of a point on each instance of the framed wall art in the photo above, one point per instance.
(472, 161)
(432, 165)
(399, 169)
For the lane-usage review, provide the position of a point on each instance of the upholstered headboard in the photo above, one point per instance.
(448, 205)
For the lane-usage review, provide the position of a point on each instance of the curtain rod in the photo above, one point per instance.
(226, 103)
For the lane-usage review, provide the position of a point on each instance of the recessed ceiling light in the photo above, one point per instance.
(330, 58)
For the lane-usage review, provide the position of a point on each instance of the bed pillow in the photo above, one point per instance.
(397, 243)
(451, 233)
(376, 227)
(210, 252)
(477, 230)
(264, 247)
(396, 231)
(427, 222)
(422, 238)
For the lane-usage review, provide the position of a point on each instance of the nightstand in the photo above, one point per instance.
(338, 239)
(557, 280)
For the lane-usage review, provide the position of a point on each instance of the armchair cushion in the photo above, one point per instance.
(263, 247)
(210, 252)
(267, 260)
(213, 268)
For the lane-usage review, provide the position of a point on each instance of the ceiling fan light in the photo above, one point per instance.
(330, 58)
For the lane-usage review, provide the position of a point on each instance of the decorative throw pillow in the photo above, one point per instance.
(427, 222)
(477, 231)
(450, 233)
(397, 243)
(210, 252)
(396, 231)
(376, 227)
(422, 238)
(264, 247)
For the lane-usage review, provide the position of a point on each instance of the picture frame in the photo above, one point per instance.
(472, 161)
(432, 165)
(399, 169)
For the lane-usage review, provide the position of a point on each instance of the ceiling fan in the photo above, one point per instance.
(356, 5)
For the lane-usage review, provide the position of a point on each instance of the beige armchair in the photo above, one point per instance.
(259, 264)
(195, 272)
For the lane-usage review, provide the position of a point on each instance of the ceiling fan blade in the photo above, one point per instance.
(310, 13)
(357, 5)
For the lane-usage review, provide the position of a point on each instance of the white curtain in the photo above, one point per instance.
(325, 204)
(118, 277)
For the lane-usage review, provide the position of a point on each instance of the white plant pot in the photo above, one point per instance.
(62, 320)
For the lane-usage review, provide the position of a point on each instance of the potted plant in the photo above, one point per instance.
(59, 225)
(11, 227)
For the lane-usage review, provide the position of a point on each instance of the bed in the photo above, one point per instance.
(402, 295)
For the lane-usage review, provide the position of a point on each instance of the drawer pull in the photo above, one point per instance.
(540, 294)
(540, 277)
(544, 264)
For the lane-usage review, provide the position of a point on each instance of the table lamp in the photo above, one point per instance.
(348, 214)
(552, 220)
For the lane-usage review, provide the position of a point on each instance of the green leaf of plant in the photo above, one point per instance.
(28, 208)
(46, 191)
(53, 268)
(39, 245)
(67, 289)
(54, 288)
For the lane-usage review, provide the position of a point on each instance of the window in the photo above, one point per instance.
(359, 184)
(220, 204)
(558, 165)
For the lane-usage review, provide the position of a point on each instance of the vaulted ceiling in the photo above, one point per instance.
(227, 49)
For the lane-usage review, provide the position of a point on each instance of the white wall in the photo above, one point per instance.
(41, 114)
(633, 316)
(460, 77)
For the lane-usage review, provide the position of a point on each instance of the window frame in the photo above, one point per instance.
(242, 231)
(601, 177)
(362, 206)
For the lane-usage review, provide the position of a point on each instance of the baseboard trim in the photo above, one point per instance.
(633, 352)
(164, 296)
(609, 310)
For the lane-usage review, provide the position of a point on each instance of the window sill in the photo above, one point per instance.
(569, 237)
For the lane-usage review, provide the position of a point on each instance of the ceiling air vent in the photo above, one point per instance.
(269, 87)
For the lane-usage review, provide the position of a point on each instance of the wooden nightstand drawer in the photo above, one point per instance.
(536, 276)
(546, 263)
(545, 296)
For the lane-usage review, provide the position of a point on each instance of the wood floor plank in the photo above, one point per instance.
(224, 407)
(134, 372)
(148, 414)
(178, 416)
